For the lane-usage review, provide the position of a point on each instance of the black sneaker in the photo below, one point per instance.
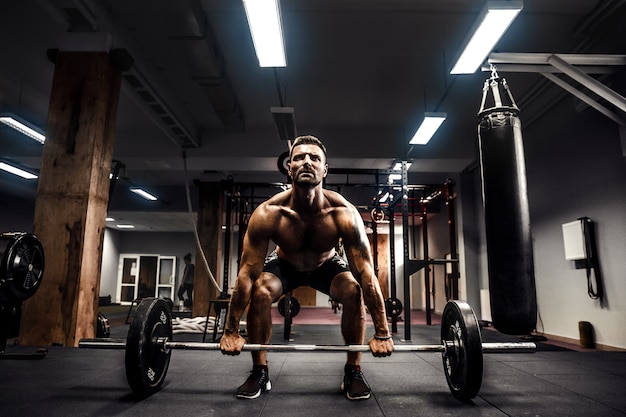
(258, 381)
(354, 384)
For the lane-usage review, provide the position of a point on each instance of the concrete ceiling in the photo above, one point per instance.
(360, 75)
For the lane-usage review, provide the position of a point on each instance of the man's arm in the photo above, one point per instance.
(255, 245)
(359, 256)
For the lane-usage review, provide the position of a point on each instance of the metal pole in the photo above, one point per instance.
(454, 276)
(375, 245)
(589, 82)
(407, 260)
(227, 230)
(427, 260)
(392, 265)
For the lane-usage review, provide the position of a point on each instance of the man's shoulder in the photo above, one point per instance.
(335, 199)
(268, 212)
(342, 208)
(279, 199)
(273, 204)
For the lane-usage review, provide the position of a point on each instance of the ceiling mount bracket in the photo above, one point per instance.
(575, 66)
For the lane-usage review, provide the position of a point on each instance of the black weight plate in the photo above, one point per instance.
(393, 307)
(281, 306)
(21, 268)
(463, 363)
(378, 215)
(295, 306)
(282, 162)
(146, 361)
(103, 328)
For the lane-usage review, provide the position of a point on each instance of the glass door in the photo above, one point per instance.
(167, 277)
(141, 276)
(148, 265)
(128, 273)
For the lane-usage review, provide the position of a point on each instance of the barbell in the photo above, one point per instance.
(149, 344)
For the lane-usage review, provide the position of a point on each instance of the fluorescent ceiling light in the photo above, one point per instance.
(22, 128)
(143, 193)
(427, 129)
(494, 20)
(125, 226)
(17, 171)
(110, 219)
(267, 33)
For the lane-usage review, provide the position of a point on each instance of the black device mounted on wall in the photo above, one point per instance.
(580, 247)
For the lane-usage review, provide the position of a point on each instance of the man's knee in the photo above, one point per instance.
(346, 289)
(266, 289)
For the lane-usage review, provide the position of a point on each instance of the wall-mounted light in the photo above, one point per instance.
(397, 166)
(17, 171)
(494, 19)
(143, 193)
(22, 127)
(267, 32)
(427, 129)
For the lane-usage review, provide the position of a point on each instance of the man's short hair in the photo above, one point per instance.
(307, 140)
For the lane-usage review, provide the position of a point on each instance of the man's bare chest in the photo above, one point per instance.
(318, 234)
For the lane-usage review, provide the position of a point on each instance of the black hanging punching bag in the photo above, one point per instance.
(507, 214)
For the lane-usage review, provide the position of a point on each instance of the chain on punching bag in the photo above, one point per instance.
(507, 214)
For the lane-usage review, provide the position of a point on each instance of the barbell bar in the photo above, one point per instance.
(149, 344)
(164, 343)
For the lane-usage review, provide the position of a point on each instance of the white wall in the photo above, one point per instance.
(110, 257)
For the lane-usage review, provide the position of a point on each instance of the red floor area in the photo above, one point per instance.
(323, 315)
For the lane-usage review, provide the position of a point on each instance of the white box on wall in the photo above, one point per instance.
(574, 240)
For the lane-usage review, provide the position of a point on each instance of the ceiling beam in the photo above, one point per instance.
(544, 59)
(575, 66)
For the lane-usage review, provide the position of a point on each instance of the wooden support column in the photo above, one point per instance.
(72, 197)
(210, 219)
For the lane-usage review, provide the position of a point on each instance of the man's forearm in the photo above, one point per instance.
(373, 298)
(238, 303)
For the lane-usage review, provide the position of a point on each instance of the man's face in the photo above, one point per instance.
(307, 165)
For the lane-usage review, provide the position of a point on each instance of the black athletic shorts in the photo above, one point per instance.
(318, 279)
